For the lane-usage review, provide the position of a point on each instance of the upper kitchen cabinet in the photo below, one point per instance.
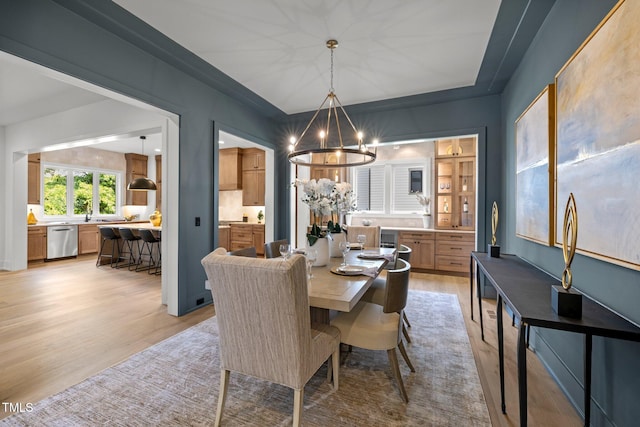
(253, 177)
(230, 164)
(159, 182)
(455, 199)
(33, 179)
(136, 168)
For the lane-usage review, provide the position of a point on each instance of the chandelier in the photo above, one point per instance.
(325, 154)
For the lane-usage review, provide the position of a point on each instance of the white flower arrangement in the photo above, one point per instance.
(344, 198)
(318, 195)
(425, 201)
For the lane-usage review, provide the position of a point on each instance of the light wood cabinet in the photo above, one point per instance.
(247, 235)
(230, 166)
(88, 239)
(455, 201)
(422, 245)
(36, 243)
(223, 237)
(33, 179)
(453, 251)
(253, 177)
(159, 182)
(136, 168)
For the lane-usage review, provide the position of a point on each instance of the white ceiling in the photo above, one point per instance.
(276, 48)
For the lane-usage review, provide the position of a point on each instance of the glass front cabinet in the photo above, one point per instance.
(455, 184)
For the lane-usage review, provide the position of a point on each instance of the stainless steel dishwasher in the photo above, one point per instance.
(62, 241)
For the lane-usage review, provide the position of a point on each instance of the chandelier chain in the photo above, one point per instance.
(331, 89)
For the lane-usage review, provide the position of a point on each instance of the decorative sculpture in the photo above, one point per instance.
(494, 250)
(565, 302)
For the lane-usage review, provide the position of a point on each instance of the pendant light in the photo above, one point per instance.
(322, 154)
(142, 183)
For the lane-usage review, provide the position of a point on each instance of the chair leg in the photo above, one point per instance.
(406, 334)
(406, 320)
(222, 396)
(335, 361)
(298, 397)
(405, 356)
(393, 361)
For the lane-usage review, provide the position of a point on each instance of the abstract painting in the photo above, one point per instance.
(535, 132)
(598, 139)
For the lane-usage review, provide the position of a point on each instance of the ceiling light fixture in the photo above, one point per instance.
(338, 155)
(142, 183)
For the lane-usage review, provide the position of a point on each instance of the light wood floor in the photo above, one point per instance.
(64, 321)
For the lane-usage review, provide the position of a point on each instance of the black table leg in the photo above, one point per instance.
(522, 373)
(471, 284)
(479, 292)
(501, 351)
(587, 379)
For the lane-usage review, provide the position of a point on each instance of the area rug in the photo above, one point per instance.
(175, 383)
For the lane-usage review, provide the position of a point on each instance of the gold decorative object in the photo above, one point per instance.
(338, 156)
(156, 218)
(569, 239)
(31, 218)
(494, 223)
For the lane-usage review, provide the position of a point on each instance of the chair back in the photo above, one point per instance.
(372, 233)
(397, 288)
(272, 249)
(108, 233)
(404, 252)
(262, 307)
(127, 234)
(147, 236)
(245, 252)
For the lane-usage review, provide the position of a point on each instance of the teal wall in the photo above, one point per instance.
(99, 42)
(616, 377)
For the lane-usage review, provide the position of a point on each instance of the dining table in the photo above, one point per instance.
(333, 289)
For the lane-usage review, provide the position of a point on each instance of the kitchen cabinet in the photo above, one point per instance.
(33, 179)
(422, 245)
(136, 168)
(36, 243)
(247, 235)
(455, 197)
(88, 239)
(253, 177)
(230, 166)
(453, 251)
(159, 182)
(223, 237)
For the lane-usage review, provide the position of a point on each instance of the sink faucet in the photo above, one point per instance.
(87, 215)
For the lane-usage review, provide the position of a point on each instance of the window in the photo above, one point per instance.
(72, 191)
(390, 188)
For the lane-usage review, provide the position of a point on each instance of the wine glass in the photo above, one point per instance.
(311, 255)
(344, 247)
(361, 239)
(285, 250)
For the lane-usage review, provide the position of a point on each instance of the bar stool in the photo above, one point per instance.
(109, 234)
(149, 240)
(128, 241)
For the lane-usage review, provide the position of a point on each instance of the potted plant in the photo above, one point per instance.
(317, 195)
(425, 201)
(260, 217)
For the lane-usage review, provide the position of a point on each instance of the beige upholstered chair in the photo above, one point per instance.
(377, 327)
(246, 252)
(262, 307)
(272, 249)
(375, 293)
(372, 233)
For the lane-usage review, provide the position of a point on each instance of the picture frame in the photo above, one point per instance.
(535, 161)
(598, 139)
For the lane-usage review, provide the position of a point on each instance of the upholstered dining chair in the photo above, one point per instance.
(375, 293)
(372, 232)
(262, 309)
(377, 327)
(249, 252)
(272, 249)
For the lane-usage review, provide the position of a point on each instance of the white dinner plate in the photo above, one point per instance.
(370, 255)
(348, 270)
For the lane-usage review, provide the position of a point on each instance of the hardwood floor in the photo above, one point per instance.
(64, 321)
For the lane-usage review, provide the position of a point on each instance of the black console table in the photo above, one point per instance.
(527, 291)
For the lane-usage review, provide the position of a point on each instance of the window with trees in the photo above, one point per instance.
(78, 191)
